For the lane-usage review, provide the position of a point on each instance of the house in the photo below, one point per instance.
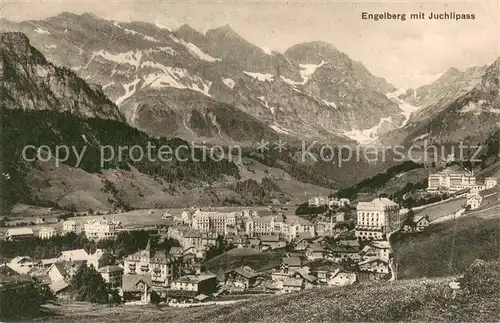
(112, 275)
(40, 220)
(101, 229)
(63, 270)
(159, 266)
(474, 200)
(47, 233)
(289, 265)
(315, 251)
(416, 223)
(342, 253)
(342, 202)
(136, 288)
(305, 274)
(421, 222)
(21, 264)
(373, 269)
(240, 278)
(72, 226)
(100, 258)
(19, 234)
(302, 244)
(272, 242)
(293, 285)
(376, 219)
(60, 289)
(253, 243)
(341, 278)
(175, 251)
(205, 283)
(376, 250)
(74, 255)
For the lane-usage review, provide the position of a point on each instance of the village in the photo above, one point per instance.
(342, 246)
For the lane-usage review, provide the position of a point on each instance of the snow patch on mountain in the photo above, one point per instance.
(133, 32)
(407, 108)
(306, 70)
(473, 107)
(266, 104)
(267, 50)
(367, 136)
(261, 77)
(194, 50)
(42, 31)
(280, 129)
(162, 27)
(130, 89)
(292, 82)
(229, 82)
(330, 104)
(52, 46)
(131, 57)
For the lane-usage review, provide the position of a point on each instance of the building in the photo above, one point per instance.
(21, 264)
(490, 182)
(240, 278)
(101, 229)
(315, 251)
(376, 250)
(47, 233)
(343, 253)
(288, 227)
(186, 236)
(211, 221)
(73, 255)
(100, 258)
(112, 275)
(272, 242)
(342, 202)
(293, 285)
(290, 265)
(318, 201)
(137, 288)
(376, 219)
(474, 200)
(205, 283)
(72, 226)
(341, 278)
(161, 268)
(63, 270)
(19, 234)
(373, 269)
(452, 179)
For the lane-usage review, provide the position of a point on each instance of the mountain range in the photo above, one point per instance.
(217, 86)
(82, 79)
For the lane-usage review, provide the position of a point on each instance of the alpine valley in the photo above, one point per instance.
(84, 80)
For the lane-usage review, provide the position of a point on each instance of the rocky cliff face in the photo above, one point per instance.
(32, 83)
(183, 82)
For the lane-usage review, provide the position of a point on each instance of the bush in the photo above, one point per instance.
(481, 278)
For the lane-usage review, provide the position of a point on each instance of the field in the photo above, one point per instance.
(447, 248)
(421, 300)
(442, 209)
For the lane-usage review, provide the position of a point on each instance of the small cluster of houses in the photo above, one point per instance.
(455, 178)
(333, 202)
(99, 229)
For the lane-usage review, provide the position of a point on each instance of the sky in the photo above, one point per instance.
(406, 53)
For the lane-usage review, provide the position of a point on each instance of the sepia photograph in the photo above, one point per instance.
(249, 161)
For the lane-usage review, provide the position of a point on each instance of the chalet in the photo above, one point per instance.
(302, 244)
(136, 287)
(205, 283)
(290, 265)
(46, 263)
(253, 243)
(416, 224)
(305, 274)
(315, 251)
(112, 275)
(241, 278)
(19, 234)
(21, 264)
(63, 270)
(474, 201)
(342, 278)
(293, 285)
(342, 253)
(60, 289)
(374, 269)
(376, 250)
(272, 242)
